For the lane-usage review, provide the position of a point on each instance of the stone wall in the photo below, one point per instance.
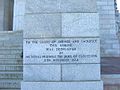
(109, 40)
(111, 82)
(108, 30)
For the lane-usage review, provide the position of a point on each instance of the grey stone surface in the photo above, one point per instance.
(61, 50)
(19, 12)
(42, 25)
(10, 84)
(11, 68)
(66, 24)
(7, 52)
(19, 7)
(1, 7)
(55, 57)
(42, 73)
(69, 72)
(40, 6)
(80, 24)
(96, 85)
(10, 56)
(1, 15)
(11, 89)
(11, 40)
(1, 23)
(11, 75)
(18, 23)
(8, 13)
(11, 62)
(108, 27)
(15, 47)
(81, 72)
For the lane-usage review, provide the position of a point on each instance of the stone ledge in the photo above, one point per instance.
(93, 85)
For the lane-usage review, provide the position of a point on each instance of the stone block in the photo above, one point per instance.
(81, 72)
(40, 6)
(61, 50)
(42, 25)
(42, 72)
(18, 23)
(93, 85)
(78, 6)
(19, 7)
(80, 25)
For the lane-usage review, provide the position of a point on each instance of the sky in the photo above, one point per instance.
(118, 4)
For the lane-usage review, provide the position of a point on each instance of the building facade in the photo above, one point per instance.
(108, 28)
(12, 18)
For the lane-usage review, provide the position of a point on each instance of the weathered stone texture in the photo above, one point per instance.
(62, 85)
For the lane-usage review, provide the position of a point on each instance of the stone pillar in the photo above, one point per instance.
(61, 45)
(6, 15)
(1, 15)
(19, 11)
(108, 28)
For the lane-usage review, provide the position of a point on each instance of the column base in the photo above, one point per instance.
(90, 85)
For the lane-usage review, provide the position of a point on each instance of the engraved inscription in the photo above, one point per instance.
(64, 50)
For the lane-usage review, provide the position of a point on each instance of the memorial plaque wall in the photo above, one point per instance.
(61, 45)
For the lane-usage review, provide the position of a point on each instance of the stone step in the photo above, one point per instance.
(17, 56)
(7, 35)
(10, 89)
(4, 38)
(10, 84)
(12, 51)
(11, 47)
(11, 59)
(12, 33)
(10, 43)
(11, 76)
(11, 68)
(11, 62)
(10, 38)
(92, 85)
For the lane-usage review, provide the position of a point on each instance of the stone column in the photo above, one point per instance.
(61, 45)
(1, 15)
(6, 15)
(18, 18)
(108, 28)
